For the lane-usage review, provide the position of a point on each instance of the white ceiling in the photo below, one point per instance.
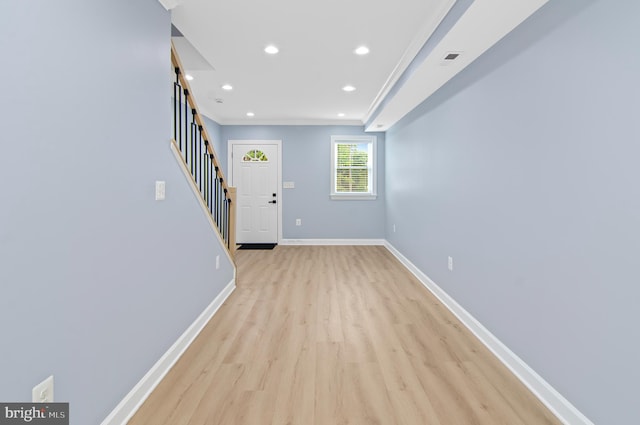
(224, 44)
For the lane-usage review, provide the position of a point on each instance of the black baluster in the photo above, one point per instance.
(221, 204)
(200, 151)
(229, 221)
(177, 97)
(206, 172)
(179, 105)
(186, 125)
(217, 191)
(193, 144)
(224, 216)
(211, 185)
(175, 115)
(218, 205)
(176, 88)
(193, 153)
(194, 133)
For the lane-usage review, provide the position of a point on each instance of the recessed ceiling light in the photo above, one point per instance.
(227, 87)
(250, 114)
(189, 77)
(341, 114)
(271, 49)
(348, 88)
(362, 50)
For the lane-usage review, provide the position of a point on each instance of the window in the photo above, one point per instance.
(353, 170)
(255, 155)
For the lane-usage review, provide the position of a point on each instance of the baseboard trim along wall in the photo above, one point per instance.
(132, 401)
(560, 406)
(332, 242)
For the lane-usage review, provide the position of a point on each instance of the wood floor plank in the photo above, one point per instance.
(336, 335)
(330, 405)
(366, 395)
(298, 381)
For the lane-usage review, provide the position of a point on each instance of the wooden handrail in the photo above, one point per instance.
(230, 191)
(175, 60)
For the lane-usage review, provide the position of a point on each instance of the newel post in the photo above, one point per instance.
(232, 222)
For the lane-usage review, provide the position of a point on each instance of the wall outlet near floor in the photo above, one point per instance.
(298, 222)
(450, 264)
(43, 392)
(217, 262)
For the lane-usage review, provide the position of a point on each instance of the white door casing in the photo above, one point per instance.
(255, 172)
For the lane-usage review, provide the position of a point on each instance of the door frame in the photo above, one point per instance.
(231, 143)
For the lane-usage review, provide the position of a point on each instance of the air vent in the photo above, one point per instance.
(451, 56)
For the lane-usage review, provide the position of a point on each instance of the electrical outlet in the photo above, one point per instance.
(43, 392)
(217, 262)
(298, 222)
(450, 264)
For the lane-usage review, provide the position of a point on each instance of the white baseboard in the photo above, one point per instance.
(132, 401)
(332, 242)
(555, 402)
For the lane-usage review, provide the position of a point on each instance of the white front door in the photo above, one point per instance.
(255, 175)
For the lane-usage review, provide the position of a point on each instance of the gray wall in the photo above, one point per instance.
(215, 132)
(524, 168)
(306, 158)
(97, 279)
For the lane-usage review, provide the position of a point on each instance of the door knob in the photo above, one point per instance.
(272, 202)
(274, 195)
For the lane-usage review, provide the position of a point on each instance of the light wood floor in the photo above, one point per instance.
(334, 336)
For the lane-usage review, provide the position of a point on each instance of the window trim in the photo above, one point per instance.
(353, 196)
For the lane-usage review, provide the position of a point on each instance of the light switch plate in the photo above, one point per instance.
(288, 185)
(160, 190)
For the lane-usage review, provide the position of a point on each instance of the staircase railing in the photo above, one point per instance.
(191, 139)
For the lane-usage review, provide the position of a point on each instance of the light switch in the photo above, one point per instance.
(288, 185)
(160, 190)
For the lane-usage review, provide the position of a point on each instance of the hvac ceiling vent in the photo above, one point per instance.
(450, 57)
